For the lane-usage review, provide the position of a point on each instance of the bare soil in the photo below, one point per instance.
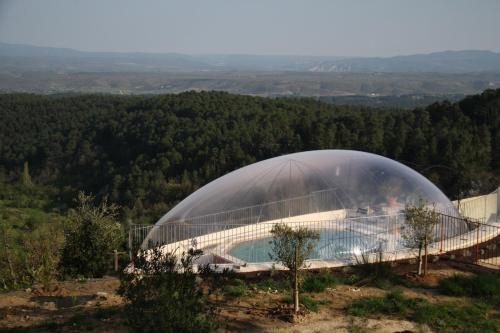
(94, 306)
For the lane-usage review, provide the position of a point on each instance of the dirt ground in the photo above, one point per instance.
(67, 306)
(94, 306)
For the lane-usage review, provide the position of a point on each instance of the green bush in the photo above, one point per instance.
(108, 312)
(238, 289)
(29, 257)
(309, 303)
(162, 295)
(453, 317)
(235, 291)
(379, 274)
(91, 236)
(484, 286)
(274, 284)
(441, 317)
(351, 279)
(11, 258)
(216, 281)
(316, 283)
(393, 303)
(42, 256)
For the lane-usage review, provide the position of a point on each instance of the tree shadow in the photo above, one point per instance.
(64, 302)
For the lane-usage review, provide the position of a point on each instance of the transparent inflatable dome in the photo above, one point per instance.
(305, 183)
(355, 200)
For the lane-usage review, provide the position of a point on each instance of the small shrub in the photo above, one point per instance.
(29, 257)
(309, 303)
(163, 295)
(43, 247)
(378, 273)
(239, 289)
(485, 287)
(235, 291)
(441, 317)
(47, 326)
(393, 303)
(104, 313)
(316, 283)
(78, 318)
(274, 284)
(452, 317)
(367, 267)
(92, 234)
(453, 286)
(351, 279)
(216, 281)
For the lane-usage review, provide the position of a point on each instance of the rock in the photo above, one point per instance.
(331, 290)
(102, 295)
(49, 305)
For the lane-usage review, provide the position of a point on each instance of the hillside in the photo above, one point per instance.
(22, 57)
(435, 76)
(438, 62)
(147, 153)
(265, 84)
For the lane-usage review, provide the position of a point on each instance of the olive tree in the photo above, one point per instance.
(420, 223)
(292, 248)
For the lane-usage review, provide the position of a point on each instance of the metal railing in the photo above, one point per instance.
(481, 246)
(243, 235)
(341, 239)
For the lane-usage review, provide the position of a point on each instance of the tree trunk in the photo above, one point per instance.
(296, 284)
(419, 260)
(425, 256)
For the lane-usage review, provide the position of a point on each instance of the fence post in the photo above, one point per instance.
(485, 208)
(441, 234)
(477, 242)
(116, 260)
(130, 242)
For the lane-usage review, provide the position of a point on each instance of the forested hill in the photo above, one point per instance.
(148, 152)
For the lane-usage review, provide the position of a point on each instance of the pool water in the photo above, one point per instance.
(332, 245)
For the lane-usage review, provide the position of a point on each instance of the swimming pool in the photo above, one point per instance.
(339, 245)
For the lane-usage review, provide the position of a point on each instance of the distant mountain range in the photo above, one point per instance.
(22, 58)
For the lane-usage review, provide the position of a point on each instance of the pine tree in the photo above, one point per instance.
(26, 178)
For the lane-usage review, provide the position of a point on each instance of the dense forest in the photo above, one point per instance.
(148, 152)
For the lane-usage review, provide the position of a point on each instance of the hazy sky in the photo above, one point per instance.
(308, 27)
